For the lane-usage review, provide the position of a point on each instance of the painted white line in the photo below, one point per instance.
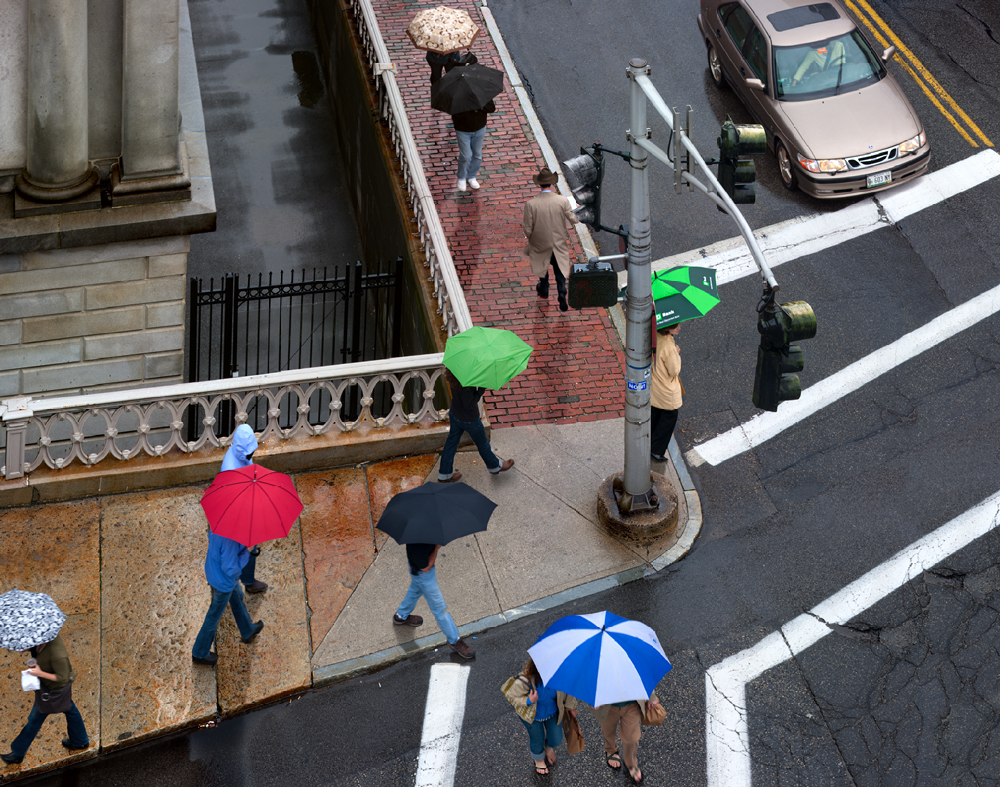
(800, 237)
(443, 716)
(763, 427)
(727, 741)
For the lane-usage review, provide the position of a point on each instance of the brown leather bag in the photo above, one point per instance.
(655, 713)
(572, 733)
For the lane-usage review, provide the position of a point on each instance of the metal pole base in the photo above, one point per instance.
(627, 504)
(655, 520)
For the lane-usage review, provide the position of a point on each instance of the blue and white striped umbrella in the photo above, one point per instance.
(600, 658)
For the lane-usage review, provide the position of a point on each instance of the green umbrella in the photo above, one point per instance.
(683, 293)
(486, 357)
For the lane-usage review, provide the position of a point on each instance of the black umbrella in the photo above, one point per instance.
(466, 88)
(436, 514)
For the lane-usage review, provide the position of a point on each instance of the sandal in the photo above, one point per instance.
(541, 769)
(614, 758)
(631, 775)
(551, 762)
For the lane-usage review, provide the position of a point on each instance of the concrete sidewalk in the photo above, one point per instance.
(128, 571)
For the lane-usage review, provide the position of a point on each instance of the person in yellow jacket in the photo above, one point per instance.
(665, 391)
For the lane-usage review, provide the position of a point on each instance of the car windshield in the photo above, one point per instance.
(825, 68)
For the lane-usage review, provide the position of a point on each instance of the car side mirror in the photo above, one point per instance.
(755, 84)
(888, 53)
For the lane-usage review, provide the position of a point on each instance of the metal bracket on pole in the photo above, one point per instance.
(682, 161)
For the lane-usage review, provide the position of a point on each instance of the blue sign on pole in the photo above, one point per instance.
(642, 385)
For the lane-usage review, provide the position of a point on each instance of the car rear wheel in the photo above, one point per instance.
(786, 168)
(715, 67)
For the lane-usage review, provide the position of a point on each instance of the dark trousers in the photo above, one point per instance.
(75, 730)
(661, 427)
(246, 576)
(543, 283)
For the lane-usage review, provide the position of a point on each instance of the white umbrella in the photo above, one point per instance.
(28, 619)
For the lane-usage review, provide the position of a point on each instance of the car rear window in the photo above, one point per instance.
(802, 16)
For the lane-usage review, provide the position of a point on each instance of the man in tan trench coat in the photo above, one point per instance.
(547, 219)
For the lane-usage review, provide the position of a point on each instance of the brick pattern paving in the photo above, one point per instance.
(576, 372)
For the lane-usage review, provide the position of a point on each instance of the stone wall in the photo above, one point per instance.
(94, 317)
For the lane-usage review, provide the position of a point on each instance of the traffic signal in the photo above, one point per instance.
(778, 360)
(736, 176)
(585, 173)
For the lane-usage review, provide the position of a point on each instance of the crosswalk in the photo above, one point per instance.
(727, 740)
(442, 730)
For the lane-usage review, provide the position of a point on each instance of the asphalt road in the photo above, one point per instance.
(905, 694)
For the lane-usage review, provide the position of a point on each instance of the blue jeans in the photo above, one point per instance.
(220, 599)
(470, 152)
(477, 432)
(424, 583)
(542, 734)
(75, 730)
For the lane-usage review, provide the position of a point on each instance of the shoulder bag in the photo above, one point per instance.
(525, 711)
(49, 701)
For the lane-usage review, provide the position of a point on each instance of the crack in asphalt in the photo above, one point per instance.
(908, 694)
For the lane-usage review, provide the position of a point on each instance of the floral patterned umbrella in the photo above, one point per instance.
(28, 619)
(442, 30)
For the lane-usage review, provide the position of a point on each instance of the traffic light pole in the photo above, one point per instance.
(638, 493)
(713, 190)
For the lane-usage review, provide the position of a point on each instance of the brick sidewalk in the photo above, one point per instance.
(576, 372)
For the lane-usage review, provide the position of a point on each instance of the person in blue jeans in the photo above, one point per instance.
(464, 417)
(54, 673)
(240, 454)
(223, 564)
(545, 732)
(423, 582)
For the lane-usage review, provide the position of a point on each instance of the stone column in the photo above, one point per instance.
(58, 167)
(150, 110)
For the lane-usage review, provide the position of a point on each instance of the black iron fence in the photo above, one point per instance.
(315, 319)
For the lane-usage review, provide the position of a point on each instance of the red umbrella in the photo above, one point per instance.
(251, 504)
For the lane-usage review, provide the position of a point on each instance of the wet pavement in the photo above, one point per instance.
(128, 571)
(280, 192)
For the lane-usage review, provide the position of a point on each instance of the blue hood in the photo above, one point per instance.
(244, 442)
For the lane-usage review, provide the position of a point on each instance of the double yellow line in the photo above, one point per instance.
(931, 87)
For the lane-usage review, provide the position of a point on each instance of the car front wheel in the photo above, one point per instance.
(786, 168)
(715, 67)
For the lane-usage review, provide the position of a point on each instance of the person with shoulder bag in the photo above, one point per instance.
(626, 718)
(55, 673)
(541, 711)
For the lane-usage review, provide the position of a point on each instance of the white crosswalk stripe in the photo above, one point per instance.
(442, 731)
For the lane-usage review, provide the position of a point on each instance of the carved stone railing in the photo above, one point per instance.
(447, 288)
(152, 421)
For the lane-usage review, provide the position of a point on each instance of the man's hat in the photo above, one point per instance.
(545, 177)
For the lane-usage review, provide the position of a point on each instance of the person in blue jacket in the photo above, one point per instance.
(223, 563)
(239, 455)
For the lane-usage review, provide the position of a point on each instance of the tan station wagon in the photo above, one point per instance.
(836, 119)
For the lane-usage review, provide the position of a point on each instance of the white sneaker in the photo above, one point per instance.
(474, 183)
(461, 185)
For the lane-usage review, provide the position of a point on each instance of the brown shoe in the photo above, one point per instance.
(256, 587)
(506, 464)
(409, 620)
(462, 648)
(454, 477)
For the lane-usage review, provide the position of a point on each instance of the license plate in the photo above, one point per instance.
(879, 179)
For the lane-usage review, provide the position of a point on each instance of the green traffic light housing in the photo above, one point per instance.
(778, 360)
(736, 175)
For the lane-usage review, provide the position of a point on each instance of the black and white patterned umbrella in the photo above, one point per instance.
(28, 619)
